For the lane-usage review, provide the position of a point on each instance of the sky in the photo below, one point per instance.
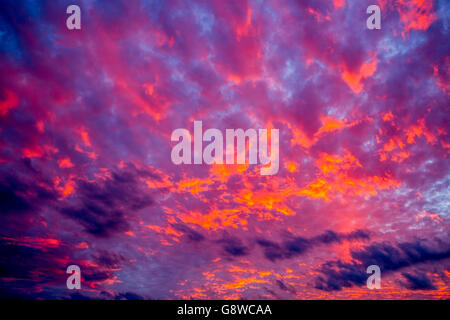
(86, 176)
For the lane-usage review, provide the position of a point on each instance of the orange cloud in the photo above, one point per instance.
(291, 166)
(65, 163)
(354, 79)
(330, 124)
(65, 187)
(388, 116)
(194, 186)
(82, 245)
(215, 219)
(335, 178)
(416, 14)
(417, 130)
(243, 282)
(82, 132)
(394, 149)
(430, 215)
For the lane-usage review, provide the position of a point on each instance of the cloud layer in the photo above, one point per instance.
(86, 178)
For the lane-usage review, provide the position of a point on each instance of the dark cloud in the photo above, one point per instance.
(20, 260)
(418, 281)
(25, 192)
(190, 233)
(272, 250)
(76, 106)
(79, 296)
(234, 247)
(338, 274)
(10, 199)
(296, 246)
(98, 221)
(109, 259)
(389, 257)
(35, 266)
(24, 266)
(103, 206)
(330, 236)
(95, 275)
(285, 287)
(128, 296)
(394, 257)
(299, 245)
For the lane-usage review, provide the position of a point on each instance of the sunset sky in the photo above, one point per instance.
(86, 176)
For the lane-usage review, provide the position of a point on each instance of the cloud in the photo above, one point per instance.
(234, 247)
(38, 265)
(418, 281)
(189, 232)
(330, 236)
(104, 206)
(31, 267)
(389, 257)
(128, 296)
(10, 199)
(285, 287)
(23, 193)
(108, 259)
(299, 245)
(86, 118)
